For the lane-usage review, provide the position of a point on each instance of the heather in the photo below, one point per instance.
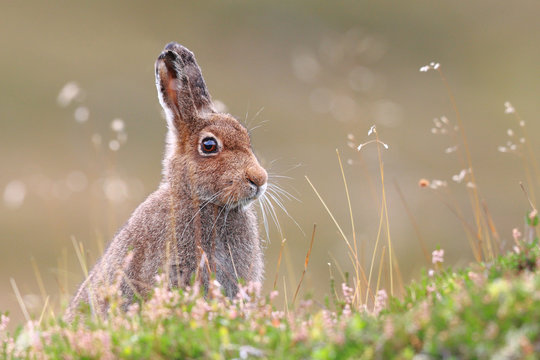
(486, 311)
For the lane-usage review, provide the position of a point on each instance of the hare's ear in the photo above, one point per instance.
(174, 90)
(201, 97)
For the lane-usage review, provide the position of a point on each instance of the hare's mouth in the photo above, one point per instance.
(242, 201)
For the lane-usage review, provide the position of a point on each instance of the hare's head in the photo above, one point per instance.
(209, 154)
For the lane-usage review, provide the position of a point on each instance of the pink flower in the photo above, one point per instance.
(516, 234)
(437, 256)
(4, 321)
(273, 295)
(380, 301)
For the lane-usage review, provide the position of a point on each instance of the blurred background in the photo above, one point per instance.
(83, 136)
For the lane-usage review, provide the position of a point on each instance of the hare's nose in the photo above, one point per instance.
(257, 176)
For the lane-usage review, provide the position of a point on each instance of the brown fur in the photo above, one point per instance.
(201, 217)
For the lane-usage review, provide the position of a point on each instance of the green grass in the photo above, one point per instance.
(487, 311)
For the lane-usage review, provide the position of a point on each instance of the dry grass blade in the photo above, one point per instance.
(306, 262)
(20, 299)
(279, 262)
(527, 195)
(331, 215)
(43, 311)
(380, 270)
(39, 279)
(80, 255)
(358, 265)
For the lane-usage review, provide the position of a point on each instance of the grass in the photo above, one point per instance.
(488, 310)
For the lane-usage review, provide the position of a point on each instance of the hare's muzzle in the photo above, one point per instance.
(257, 178)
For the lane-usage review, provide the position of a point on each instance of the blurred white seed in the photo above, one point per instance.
(437, 123)
(117, 125)
(115, 189)
(522, 123)
(350, 137)
(349, 161)
(76, 181)
(81, 114)
(351, 144)
(114, 145)
(444, 119)
(502, 149)
(522, 140)
(434, 131)
(68, 93)
(471, 185)
(450, 149)
(14, 194)
(510, 132)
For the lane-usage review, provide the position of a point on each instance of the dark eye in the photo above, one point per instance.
(209, 145)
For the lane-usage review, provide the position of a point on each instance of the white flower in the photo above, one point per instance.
(459, 177)
(432, 65)
(508, 108)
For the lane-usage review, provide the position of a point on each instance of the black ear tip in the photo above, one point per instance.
(168, 55)
(172, 45)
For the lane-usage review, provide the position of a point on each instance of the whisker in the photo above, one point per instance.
(273, 215)
(278, 190)
(280, 204)
(276, 176)
(265, 219)
(253, 119)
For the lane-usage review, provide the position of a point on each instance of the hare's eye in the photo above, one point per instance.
(209, 145)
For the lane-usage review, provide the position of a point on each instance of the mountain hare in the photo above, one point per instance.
(200, 220)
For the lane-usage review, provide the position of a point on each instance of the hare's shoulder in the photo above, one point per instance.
(149, 222)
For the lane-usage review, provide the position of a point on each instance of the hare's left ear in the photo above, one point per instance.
(191, 69)
(181, 88)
